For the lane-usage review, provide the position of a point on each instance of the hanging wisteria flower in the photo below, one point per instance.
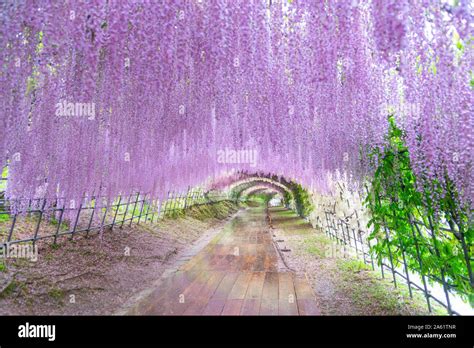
(302, 83)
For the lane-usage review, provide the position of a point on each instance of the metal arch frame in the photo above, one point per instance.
(237, 191)
(260, 187)
(235, 187)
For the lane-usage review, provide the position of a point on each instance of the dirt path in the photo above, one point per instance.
(238, 273)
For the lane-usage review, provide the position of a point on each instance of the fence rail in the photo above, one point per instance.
(340, 231)
(42, 219)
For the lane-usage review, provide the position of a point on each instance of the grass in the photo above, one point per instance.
(175, 214)
(54, 222)
(12, 288)
(3, 183)
(4, 217)
(352, 266)
(219, 210)
(290, 222)
(252, 203)
(353, 279)
(56, 294)
(9, 290)
(369, 291)
(55, 246)
(317, 245)
(375, 295)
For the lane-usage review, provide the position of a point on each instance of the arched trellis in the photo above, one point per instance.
(235, 189)
(261, 189)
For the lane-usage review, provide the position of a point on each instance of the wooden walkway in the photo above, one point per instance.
(237, 273)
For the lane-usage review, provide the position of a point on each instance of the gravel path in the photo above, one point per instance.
(343, 284)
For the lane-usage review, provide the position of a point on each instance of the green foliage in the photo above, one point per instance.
(219, 210)
(395, 202)
(174, 213)
(9, 289)
(261, 198)
(302, 200)
(3, 182)
(299, 197)
(287, 198)
(64, 224)
(4, 217)
(3, 266)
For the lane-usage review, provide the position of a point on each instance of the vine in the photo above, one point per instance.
(301, 199)
(427, 227)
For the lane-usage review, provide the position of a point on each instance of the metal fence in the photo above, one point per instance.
(52, 220)
(340, 231)
(43, 220)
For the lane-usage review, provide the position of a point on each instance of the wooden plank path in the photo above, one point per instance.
(235, 274)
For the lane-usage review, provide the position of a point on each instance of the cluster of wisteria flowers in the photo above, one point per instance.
(172, 83)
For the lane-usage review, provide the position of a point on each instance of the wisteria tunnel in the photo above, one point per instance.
(237, 157)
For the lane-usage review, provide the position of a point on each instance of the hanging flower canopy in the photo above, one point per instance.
(110, 97)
